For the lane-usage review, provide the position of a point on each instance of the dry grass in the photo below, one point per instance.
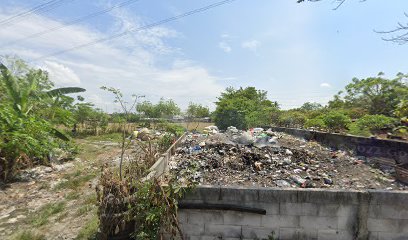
(199, 126)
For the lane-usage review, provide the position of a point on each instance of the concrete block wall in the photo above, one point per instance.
(296, 214)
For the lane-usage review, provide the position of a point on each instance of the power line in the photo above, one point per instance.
(37, 9)
(198, 10)
(70, 23)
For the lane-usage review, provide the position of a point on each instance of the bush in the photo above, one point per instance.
(354, 129)
(22, 140)
(291, 119)
(376, 122)
(336, 121)
(316, 123)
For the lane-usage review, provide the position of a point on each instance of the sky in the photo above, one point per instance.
(297, 52)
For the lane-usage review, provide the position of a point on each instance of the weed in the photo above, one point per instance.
(113, 137)
(89, 230)
(85, 209)
(74, 181)
(91, 199)
(72, 196)
(28, 235)
(42, 216)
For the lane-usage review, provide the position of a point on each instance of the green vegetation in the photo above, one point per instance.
(90, 229)
(163, 109)
(42, 216)
(28, 235)
(243, 108)
(30, 111)
(74, 181)
(366, 107)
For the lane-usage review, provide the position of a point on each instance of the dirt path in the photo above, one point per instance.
(56, 202)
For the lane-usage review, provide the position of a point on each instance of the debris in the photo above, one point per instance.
(266, 158)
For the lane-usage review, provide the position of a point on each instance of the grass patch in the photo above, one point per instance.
(113, 137)
(84, 209)
(41, 217)
(72, 196)
(28, 235)
(89, 204)
(90, 229)
(90, 199)
(74, 181)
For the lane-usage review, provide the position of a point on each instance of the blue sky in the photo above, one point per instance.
(297, 52)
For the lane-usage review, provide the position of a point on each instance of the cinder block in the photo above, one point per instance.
(291, 209)
(334, 235)
(271, 208)
(328, 210)
(223, 231)
(182, 215)
(347, 223)
(373, 236)
(388, 211)
(318, 222)
(307, 234)
(288, 234)
(392, 235)
(383, 225)
(274, 221)
(242, 219)
(202, 217)
(192, 229)
(259, 232)
(241, 195)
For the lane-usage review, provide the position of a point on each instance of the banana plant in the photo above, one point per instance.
(26, 90)
(22, 94)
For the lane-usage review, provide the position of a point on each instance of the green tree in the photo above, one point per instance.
(163, 109)
(197, 111)
(311, 106)
(336, 121)
(243, 108)
(375, 95)
(30, 88)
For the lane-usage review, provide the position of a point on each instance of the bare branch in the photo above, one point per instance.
(401, 33)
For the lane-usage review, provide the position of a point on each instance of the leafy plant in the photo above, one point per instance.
(243, 108)
(336, 121)
(376, 122)
(317, 123)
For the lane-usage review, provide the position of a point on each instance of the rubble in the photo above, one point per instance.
(268, 159)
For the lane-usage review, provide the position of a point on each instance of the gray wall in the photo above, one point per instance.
(296, 214)
(370, 147)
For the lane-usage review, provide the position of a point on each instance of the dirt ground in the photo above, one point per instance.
(56, 202)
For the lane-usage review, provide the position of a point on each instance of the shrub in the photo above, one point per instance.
(291, 119)
(316, 122)
(354, 129)
(376, 122)
(336, 121)
(22, 140)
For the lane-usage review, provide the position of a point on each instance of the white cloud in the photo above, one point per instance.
(61, 75)
(225, 47)
(130, 63)
(325, 85)
(251, 45)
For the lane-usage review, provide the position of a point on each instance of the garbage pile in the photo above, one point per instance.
(268, 159)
